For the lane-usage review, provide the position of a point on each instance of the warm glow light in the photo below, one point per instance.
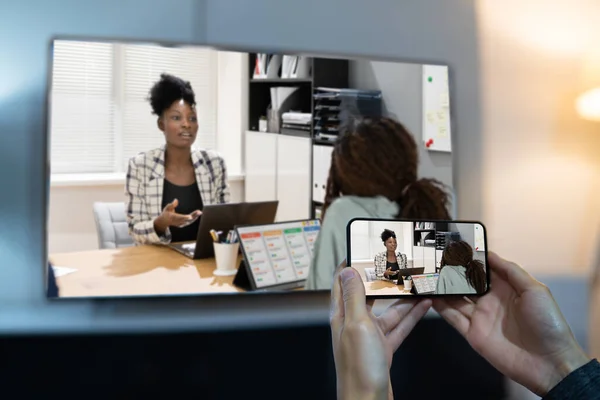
(564, 28)
(588, 105)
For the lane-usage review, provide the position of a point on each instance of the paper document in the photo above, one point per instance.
(431, 117)
(445, 99)
(61, 271)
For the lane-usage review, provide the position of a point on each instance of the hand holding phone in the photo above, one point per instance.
(518, 328)
(440, 258)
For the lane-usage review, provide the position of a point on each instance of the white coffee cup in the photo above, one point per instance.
(407, 285)
(226, 256)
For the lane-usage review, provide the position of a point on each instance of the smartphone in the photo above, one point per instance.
(399, 257)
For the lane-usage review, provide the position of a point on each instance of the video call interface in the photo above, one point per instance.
(117, 108)
(419, 258)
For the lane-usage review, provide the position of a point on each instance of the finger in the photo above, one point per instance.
(517, 277)
(353, 294)
(397, 335)
(182, 217)
(394, 314)
(464, 305)
(172, 205)
(370, 304)
(454, 316)
(336, 308)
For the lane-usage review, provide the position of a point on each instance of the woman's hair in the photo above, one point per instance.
(460, 253)
(386, 234)
(168, 90)
(379, 157)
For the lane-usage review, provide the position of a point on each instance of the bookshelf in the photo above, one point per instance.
(291, 170)
(324, 72)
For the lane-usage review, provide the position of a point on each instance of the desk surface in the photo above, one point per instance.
(139, 270)
(385, 288)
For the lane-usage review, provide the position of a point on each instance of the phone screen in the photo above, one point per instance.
(418, 258)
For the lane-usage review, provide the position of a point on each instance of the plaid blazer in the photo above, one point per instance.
(381, 263)
(144, 189)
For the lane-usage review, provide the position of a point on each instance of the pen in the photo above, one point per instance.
(214, 235)
(229, 234)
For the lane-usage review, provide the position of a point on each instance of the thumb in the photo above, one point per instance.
(172, 205)
(353, 293)
(519, 279)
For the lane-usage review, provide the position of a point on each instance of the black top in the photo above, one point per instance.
(393, 265)
(189, 201)
(581, 384)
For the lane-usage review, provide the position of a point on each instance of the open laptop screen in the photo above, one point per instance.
(280, 253)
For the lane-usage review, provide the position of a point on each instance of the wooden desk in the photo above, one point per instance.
(140, 270)
(384, 288)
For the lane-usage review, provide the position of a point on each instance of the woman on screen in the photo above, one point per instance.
(460, 273)
(167, 187)
(373, 174)
(389, 262)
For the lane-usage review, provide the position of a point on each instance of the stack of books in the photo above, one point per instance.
(296, 123)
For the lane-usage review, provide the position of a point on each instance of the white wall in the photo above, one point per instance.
(232, 118)
(71, 224)
(402, 90)
(541, 162)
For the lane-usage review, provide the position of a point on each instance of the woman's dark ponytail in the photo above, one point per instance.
(476, 275)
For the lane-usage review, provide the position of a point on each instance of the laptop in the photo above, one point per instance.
(276, 256)
(404, 272)
(225, 217)
(411, 271)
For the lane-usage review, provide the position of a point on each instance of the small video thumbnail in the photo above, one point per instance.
(419, 258)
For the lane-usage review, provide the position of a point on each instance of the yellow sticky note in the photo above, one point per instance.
(442, 132)
(445, 99)
(441, 117)
(431, 117)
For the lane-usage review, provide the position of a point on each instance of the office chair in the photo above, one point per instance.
(111, 225)
(370, 274)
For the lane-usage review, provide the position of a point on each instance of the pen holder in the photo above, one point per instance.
(226, 255)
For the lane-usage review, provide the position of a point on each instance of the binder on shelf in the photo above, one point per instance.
(302, 68)
(287, 65)
(274, 66)
(260, 66)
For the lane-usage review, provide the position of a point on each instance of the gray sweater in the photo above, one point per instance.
(453, 280)
(330, 247)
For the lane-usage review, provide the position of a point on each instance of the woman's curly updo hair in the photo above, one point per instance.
(168, 90)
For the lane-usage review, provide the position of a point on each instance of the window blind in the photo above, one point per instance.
(142, 66)
(82, 108)
(361, 241)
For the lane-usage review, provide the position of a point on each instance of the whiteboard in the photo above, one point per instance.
(479, 237)
(436, 109)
